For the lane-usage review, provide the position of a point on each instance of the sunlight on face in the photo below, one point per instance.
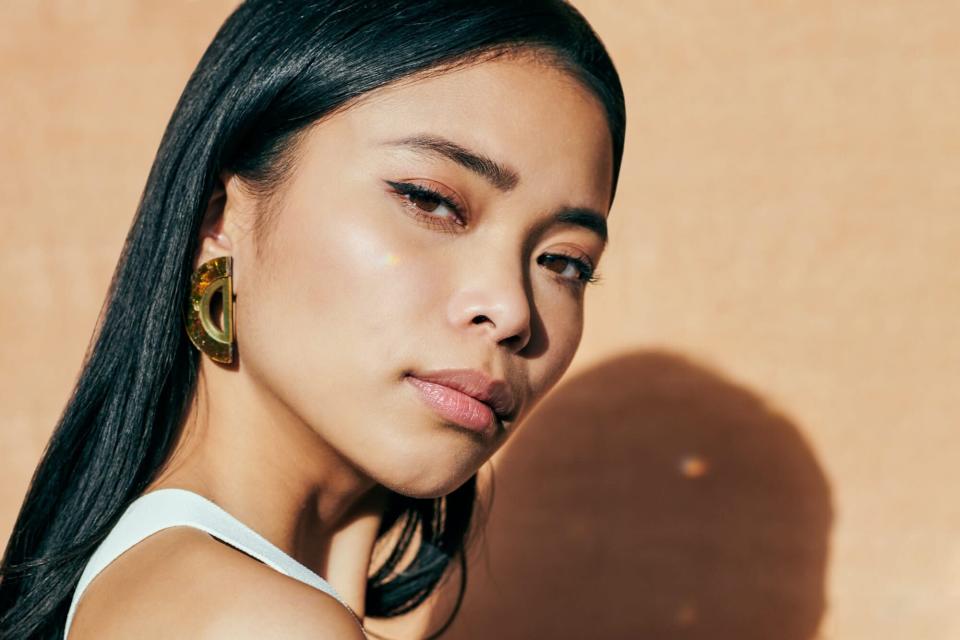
(451, 222)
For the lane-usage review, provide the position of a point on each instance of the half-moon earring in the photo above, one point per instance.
(209, 278)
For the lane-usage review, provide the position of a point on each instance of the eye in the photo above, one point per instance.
(423, 203)
(576, 271)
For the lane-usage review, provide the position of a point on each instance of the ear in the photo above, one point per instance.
(216, 228)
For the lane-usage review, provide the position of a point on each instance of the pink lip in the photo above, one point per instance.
(468, 397)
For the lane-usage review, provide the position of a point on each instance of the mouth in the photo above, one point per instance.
(468, 398)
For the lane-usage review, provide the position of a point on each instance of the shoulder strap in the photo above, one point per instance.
(171, 507)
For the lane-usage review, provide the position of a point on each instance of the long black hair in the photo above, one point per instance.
(273, 68)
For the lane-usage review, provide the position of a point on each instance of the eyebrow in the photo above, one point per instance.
(502, 177)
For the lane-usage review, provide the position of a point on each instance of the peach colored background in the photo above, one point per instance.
(758, 438)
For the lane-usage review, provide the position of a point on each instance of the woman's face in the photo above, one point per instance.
(361, 280)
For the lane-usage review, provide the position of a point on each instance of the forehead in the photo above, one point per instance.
(534, 118)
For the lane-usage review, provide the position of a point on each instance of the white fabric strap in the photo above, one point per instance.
(173, 507)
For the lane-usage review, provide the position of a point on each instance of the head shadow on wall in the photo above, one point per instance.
(649, 497)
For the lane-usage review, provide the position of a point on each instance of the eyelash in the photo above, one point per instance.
(419, 191)
(590, 276)
(408, 189)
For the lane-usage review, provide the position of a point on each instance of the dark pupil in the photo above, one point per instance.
(555, 259)
(431, 203)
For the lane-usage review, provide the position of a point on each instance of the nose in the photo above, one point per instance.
(493, 299)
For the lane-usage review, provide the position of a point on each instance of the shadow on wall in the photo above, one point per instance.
(650, 498)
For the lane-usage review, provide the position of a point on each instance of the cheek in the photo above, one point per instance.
(560, 320)
(332, 306)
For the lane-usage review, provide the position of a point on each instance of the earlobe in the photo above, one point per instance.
(214, 237)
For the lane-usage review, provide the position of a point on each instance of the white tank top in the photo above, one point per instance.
(171, 507)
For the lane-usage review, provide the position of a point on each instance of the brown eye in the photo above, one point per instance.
(423, 202)
(427, 204)
(574, 270)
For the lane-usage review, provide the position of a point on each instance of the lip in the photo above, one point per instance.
(467, 397)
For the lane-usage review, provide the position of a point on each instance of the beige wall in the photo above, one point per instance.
(758, 438)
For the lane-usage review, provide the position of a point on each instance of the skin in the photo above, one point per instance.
(346, 291)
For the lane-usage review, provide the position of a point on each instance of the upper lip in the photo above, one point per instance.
(496, 393)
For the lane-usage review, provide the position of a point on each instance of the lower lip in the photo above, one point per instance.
(455, 406)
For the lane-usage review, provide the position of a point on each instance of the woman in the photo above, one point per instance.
(358, 263)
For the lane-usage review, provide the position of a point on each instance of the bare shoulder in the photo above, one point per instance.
(299, 613)
(182, 582)
(281, 608)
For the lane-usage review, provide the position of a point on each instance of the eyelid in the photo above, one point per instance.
(578, 253)
(576, 259)
(404, 190)
(441, 190)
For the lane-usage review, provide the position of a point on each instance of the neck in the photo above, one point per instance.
(263, 465)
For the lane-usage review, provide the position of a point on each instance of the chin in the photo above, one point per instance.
(423, 459)
(427, 483)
